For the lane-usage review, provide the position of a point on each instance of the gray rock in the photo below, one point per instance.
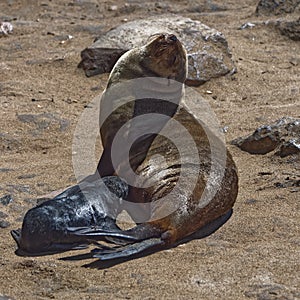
(9, 143)
(208, 52)
(4, 224)
(272, 291)
(5, 200)
(3, 297)
(288, 182)
(44, 120)
(276, 7)
(18, 188)
(291, 29)
(282, 136)
(5, 170)
(26, 176)
(3, 215)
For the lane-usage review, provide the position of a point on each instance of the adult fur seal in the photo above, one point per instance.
(125, 97)
(44, 229)
(192, 193)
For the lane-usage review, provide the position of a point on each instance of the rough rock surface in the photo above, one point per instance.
(282, 136)
(208, 52)
(291, 29)
(277, 7)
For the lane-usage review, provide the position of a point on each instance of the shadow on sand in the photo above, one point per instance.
(104, 264)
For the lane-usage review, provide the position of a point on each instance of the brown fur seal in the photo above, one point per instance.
(163, 57)
(192, 192)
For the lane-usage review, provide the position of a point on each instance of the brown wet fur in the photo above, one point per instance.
(150, 60)
(189, 217)
(166, 57)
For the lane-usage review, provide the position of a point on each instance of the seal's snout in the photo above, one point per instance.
(172, 37)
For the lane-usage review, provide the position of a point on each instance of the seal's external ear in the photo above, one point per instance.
(155, 35)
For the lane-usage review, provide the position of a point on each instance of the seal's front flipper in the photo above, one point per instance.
(16, 234)
(98, 234)
(128, 250)
(115, 235)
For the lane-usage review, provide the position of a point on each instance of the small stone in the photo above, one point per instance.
(9, 142)
(246, 25)
(4, 170)
(3, 215)
(250, 201)
(27, 176)
(6, 28)
(282, 136)
(113, 8)
(7, 199)
(43, 121)
(224, 129)
(4, 224)
(262, 141)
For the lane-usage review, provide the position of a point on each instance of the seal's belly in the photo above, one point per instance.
(178, 180)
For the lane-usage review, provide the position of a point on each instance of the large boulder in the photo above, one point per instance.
(290, 29)
(208, 52)
(277, 7)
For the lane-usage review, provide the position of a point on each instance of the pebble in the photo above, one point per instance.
(6, 28)
(4, 224)
(113, 8)
(246, 25)
(7, 199)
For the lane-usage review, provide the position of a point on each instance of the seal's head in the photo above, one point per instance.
(166, 57)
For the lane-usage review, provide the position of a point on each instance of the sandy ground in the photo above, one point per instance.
(255, 255)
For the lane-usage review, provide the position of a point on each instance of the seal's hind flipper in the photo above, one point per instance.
(128, 250)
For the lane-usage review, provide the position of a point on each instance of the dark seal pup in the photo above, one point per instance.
(44, 228)
(183, 195)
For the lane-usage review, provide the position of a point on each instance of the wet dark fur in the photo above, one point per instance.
(44, 228)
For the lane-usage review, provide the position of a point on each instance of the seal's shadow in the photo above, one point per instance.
(200, 234)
